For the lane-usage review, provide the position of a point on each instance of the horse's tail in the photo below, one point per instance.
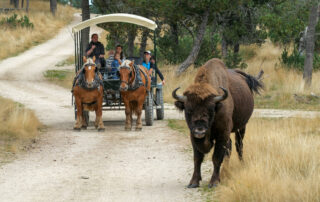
(255, 83)
(134, 107)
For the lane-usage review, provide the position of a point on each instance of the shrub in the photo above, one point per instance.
(295, 60)
(13, 21)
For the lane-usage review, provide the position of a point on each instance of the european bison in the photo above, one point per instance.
(212, 117)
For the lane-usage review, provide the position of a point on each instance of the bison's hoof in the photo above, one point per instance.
(212, 185)
(101, 129)
(77, 129)
(193, 185)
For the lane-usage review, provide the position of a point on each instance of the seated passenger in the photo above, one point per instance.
(146, 61)
(115, 66)
(154, 66)
(95, 48)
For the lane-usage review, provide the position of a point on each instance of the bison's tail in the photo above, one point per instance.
(255, 83)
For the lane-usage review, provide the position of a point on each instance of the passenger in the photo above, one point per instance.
(154, 66)
(146, 61)
(115, 65)
(119, 49)
(95, 48)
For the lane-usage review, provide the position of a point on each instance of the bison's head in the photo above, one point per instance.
(199, 103)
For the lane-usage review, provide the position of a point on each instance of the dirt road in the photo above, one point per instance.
(151, 165)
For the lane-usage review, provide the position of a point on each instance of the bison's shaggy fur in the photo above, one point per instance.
(211, 117)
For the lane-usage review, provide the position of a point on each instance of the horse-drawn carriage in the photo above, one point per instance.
(112, 99)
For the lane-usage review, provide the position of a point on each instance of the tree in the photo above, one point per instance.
(16, 3)
(53, 6)
(85, 32)
(196, 45)
(310, 42)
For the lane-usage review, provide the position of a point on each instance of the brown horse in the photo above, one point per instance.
(133, 91)
(88, 93)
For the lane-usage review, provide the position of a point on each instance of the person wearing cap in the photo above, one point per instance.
(146, 61)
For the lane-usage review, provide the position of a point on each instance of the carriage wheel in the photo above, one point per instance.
(160, 111)
(149, 109)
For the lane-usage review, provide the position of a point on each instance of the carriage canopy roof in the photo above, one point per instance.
(117, 17)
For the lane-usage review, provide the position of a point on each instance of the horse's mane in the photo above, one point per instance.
(126, 63)
(89, 61)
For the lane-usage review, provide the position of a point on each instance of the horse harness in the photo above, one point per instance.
(80, 80)
(137, 82)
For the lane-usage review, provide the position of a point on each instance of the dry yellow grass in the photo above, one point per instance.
(18, 128)
(14, 41)
(281, 163)
(280, 83)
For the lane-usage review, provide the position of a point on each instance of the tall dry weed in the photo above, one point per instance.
(18, 128)
(281, 163)
(46, 26)
(281, 84)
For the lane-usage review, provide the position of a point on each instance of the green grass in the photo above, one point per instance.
(179, 125)
(56, 74)
(287, 101)
(68, 61)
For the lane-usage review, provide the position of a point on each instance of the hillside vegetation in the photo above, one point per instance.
(45, 26)
(281, 84)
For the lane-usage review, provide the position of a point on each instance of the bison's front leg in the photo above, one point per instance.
(99, 114)
(197, 158)
(220, 150)
(78, 124)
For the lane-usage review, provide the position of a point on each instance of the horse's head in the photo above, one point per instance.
(89, 71)
(126, 70)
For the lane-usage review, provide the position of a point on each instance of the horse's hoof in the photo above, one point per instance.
(101, 129)
(127, 129)
(138, 129)
(84, 127)
(193, 185)
(77, 129)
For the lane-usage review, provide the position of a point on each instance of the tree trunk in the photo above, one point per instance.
(236, 48)
(53, 6)
(143, 43)
(196, 45)
(22, 1)
(11, 2)
(16, 3)
(224, 47)
(131, 37)
(310, 41)
(27, 6)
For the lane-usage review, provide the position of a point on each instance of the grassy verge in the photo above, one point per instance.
(281, 163)
(284, 89)
(18, 129)
(60, 76)
(16, 40)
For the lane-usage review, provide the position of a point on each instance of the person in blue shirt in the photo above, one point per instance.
(115, 65)
(146, 61)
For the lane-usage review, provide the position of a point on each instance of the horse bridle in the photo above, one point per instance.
(130, 73)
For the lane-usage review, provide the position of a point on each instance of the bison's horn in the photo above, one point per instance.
(178, 97)
(221, 97)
